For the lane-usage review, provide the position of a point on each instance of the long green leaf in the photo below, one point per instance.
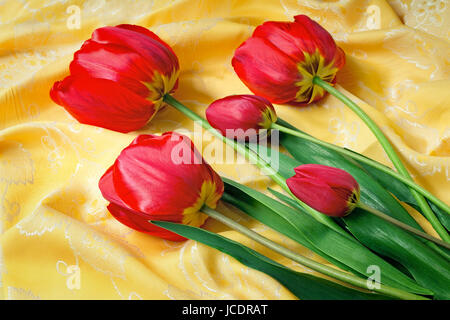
(304, 286)
(429, 268)
(299, 226)
(402, 192)
(267, 216)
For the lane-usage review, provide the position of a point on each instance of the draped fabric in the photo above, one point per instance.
(57, 239)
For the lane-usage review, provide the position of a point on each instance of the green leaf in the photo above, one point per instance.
(304, 286)
(345, 253)
(443, 217)
(268, 217)
(402, 192)
(429, 268)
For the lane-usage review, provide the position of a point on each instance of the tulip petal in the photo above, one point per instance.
(262, 61)
(113, 62)
(241, 115)
(318, 195)
(141, 224)
(310, 31)
(147, 183)
(289, 37)
(147, 33)
(334, 177)
(151, 48)
(106, 187)
(102, 103)
(146, 175)
(131, 218)
(266, 71)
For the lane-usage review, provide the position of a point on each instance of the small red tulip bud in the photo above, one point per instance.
(241, 116)
(329, 190)
(280, 60)
(160, 178)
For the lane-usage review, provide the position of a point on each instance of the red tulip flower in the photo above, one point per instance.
(281, 59)
(329, 190)
(118, 78)
(241, 115)
(160, 178)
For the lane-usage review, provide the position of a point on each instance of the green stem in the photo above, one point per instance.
(388, 148)
(402, 225)
(309, 263)
(254, 158)
(365, 160)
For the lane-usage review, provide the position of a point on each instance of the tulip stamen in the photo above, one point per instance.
(208, 196)
(354, 198)
(269, 117)
(160, 86)
(353, 201)
(312, 66)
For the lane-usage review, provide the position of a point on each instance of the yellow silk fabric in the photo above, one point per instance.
(57, 238)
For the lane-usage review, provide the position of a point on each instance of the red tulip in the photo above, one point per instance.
(280, 60)
(241, 115)
(118, 78)
(160, 178)
(329, 190)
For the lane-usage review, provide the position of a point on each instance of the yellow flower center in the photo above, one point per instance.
(159, 86)
(353, 201)
(268, 117)
(313, 65)
(208, 196)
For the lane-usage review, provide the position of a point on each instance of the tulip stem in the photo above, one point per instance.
(254, 158)
(365, 160)
(309, 263)
(390, 151)
(402, 225)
